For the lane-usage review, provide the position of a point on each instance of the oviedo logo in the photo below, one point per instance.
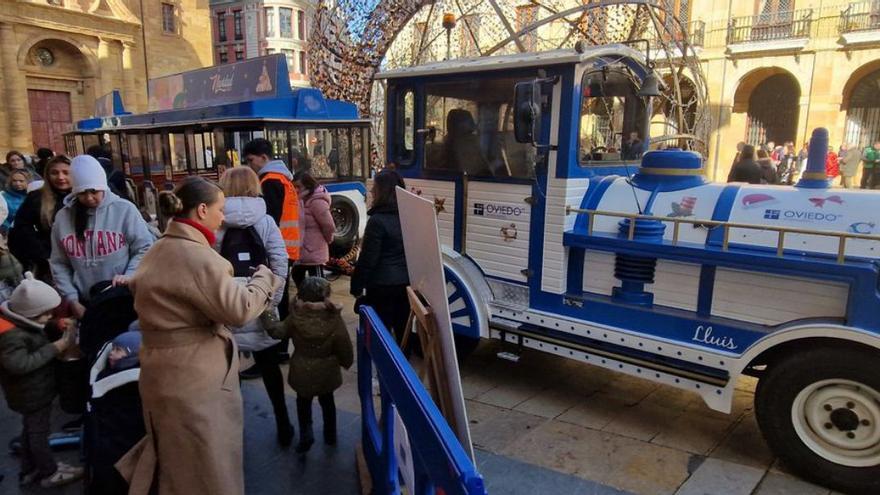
(497, 210)
(801, 216)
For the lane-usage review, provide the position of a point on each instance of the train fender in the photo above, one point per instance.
(468, 293)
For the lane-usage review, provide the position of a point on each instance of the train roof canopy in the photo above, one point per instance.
(252, 90)
(515, 61)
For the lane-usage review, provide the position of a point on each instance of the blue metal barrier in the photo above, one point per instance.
(440, 463)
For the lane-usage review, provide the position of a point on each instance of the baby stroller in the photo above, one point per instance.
(113, 423)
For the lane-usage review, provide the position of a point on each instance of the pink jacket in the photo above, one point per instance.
(319, 228)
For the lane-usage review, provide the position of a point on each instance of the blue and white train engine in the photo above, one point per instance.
(560, 235)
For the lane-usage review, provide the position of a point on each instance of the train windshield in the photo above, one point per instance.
(611, 117)
(471, 125)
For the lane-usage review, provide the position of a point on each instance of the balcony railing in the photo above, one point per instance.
(784, 25)
(861, 16)
(695, 33)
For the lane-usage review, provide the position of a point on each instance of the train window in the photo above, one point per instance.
(358, 150)
(70, 145)
(155, 157)
(200, 150)
(611, 116)
(134, 153)
(469, 129)
(177, 148)
(404, 128)
(116, 151)
(279, 141)
(343, 151)
(88, 141)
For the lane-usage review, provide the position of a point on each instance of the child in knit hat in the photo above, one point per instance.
(27, 376)
(321, 347)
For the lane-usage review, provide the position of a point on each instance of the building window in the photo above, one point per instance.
(302, 63)
(168, 24)
(239, 54)
(270, 21)
(270, 51)
(288, 54)
(236, 24)
(286, 20)
(301, 25)
(221, 26)
(223, 57)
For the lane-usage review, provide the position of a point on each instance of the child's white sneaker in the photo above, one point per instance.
(64, 475)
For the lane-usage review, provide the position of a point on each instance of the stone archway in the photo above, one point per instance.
(862, 106)
(59, 76)
(770, 98)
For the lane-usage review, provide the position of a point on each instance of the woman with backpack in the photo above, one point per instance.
(248, 238)
(318, 227)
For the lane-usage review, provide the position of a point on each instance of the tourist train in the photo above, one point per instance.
(560, 233)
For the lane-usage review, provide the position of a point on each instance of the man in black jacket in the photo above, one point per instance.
(746, 169)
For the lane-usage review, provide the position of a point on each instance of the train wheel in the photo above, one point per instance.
(346, 218)
(820, 412)
(463, 311)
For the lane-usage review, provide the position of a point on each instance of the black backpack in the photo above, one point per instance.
(244, 249)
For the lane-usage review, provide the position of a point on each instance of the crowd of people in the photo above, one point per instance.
(238, 251)
(772, 164)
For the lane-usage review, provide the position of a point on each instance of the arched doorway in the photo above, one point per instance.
(772, 113)
(863, 111)
(59, 88)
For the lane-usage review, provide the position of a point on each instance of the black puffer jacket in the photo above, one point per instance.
(29, 240)
(382, 261)
(27, 367)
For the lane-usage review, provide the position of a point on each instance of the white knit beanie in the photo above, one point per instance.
(31, 298)
(86, 173)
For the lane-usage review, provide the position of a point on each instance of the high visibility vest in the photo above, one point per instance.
(5, 326)
(289, 225)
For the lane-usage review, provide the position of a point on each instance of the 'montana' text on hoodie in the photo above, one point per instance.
(115, 240)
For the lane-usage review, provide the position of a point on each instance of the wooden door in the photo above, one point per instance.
(50, 118)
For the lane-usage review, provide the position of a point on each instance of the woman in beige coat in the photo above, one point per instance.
(185, 295)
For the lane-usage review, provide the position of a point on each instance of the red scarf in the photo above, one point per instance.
(209, 236)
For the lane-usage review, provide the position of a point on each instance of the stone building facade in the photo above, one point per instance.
(778, 69)
(58, 56)
(247, 29)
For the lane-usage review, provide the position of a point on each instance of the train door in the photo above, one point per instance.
(472, 122)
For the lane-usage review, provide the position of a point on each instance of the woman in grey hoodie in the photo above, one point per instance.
(245, 209)
(97, 236)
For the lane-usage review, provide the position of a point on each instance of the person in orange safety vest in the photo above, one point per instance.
(282, 202)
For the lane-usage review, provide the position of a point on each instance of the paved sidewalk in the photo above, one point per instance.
(542, 425)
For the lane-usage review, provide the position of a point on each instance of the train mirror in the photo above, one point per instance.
(527, 111)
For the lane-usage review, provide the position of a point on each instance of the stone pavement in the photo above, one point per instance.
(542, 425)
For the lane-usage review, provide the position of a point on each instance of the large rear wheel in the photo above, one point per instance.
(346, 217)
(819, 410)
(463, 311)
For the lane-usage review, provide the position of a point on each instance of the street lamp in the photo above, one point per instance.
(448, 24)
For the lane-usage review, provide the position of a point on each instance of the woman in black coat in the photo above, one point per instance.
(30, 237)
(381, 267)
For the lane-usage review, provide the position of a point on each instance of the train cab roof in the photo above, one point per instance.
(252, 91)
(516, 61)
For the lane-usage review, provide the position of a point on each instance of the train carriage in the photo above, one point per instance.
(559, 233)
(200, 121)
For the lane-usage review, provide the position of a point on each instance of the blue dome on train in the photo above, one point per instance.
(672, 168)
